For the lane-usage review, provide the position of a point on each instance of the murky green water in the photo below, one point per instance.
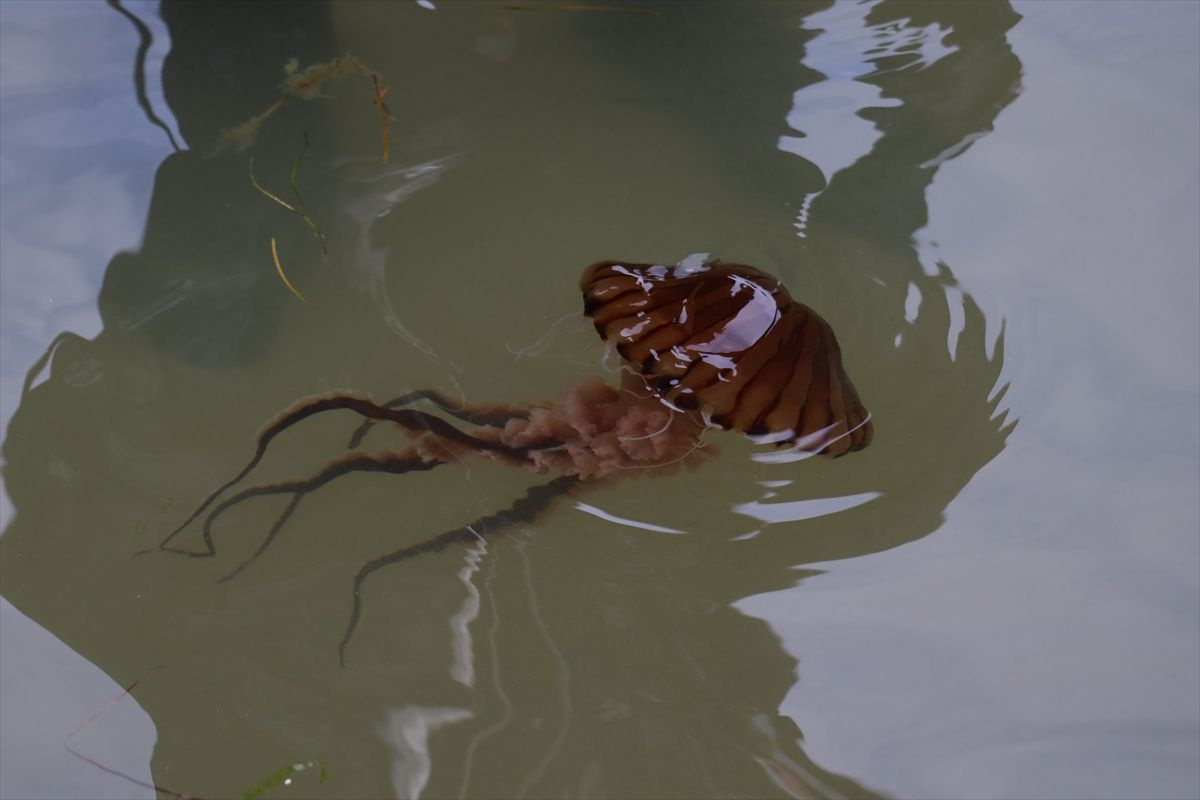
(994, 207)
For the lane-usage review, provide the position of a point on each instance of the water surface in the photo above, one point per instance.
(993, 206)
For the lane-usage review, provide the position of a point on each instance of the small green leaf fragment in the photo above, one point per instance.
(283, 776)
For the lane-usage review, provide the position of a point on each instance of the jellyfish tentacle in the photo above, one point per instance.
(412, 419)
(397, 463)
(277, 526)
(483, 415)
(524, 510)
(408, 418)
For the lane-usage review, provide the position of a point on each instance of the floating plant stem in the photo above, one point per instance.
(384, 115)
(301, 211)
(296, 173)
(241, 137)
(303, 84)
(274, 197)
(283, 277)
(306, 83)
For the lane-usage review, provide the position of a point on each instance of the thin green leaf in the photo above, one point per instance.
(300, 212)
(283, 775)
(276, 198)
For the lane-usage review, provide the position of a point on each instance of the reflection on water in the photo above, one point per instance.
(848, 50)
(585, 653)
(67, 203)
(384, 190)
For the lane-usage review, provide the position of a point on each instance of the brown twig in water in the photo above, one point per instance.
(384, 115)
(95, 716)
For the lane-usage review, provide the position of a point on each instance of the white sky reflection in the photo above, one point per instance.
(832, 134)
(76, 172)
(1075, 223)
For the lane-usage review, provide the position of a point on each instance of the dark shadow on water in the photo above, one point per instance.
(606, 661)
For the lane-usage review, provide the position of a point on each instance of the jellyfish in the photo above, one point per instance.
(704, 346)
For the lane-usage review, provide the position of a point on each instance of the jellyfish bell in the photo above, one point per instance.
(728, 343)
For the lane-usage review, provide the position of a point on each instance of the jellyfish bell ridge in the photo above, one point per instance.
(728, 341)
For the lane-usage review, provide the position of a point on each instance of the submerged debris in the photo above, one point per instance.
(305, 84)
(299, 209)
(283, 776)
(242, 137)
(384, 116)
(283, 277)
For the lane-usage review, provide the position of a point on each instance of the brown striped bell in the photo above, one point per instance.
(729, 342)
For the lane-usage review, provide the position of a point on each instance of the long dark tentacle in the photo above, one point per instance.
(522, 511)
(397, 463)
(408, 418)
(492, 417)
